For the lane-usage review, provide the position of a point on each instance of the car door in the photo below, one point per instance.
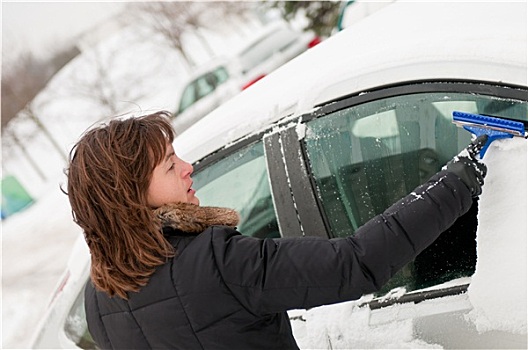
(366, 152)
(356, 157)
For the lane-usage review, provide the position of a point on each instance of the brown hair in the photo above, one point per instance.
(109, 173)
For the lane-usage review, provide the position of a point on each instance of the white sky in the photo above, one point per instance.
(39, 26)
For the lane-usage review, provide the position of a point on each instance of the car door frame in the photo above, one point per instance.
(404, 88)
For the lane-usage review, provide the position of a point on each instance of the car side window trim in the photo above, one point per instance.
(414, 87)
(223, 152)
(287, 216)
(301, 186)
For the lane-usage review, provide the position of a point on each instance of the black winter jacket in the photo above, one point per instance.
(228, 291)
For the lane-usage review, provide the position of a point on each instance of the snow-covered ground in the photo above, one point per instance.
(36, 245)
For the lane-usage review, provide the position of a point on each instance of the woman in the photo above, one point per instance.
(168, 273)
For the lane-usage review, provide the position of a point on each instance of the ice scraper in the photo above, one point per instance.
(495, 127)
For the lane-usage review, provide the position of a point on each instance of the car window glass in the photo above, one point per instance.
(221, 75)
(188, 97)
(202, 87)
(205, 85)
(240, 181)
(366, 157)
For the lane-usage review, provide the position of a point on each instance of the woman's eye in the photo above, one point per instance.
(172, 166)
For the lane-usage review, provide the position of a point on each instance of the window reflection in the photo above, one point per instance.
(240, 181)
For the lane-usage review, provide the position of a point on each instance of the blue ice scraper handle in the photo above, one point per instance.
(495, 128)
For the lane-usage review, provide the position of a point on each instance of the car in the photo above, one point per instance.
(209, 86)
(277, 44)
(221, 78)
(334, 137)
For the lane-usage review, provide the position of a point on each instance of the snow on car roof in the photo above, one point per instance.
(406, 41)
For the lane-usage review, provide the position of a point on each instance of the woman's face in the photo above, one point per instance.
(171, 182)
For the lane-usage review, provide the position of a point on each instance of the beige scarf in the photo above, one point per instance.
(192, 218)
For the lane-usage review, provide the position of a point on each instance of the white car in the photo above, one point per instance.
(218, 80)
(335, 136)
(209, 86)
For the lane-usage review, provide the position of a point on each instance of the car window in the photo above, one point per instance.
(188, 97)
(262, 50)
(221, 75)
(366, 157)
(240, 181)
(205, 85)
(202, 87)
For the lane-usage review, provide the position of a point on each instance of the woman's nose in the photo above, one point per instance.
(189, 169)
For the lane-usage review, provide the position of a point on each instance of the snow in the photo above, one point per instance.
(332, 327)
(501, 241)
(37, 242)
(36, 245)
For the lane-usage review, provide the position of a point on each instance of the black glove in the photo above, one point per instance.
(468, 168)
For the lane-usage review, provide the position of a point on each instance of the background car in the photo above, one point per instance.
(319, 154)
(208, 87)
(223, 77)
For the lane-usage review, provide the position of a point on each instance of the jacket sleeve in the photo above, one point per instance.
(275, 275)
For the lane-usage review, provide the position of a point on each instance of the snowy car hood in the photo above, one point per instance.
(403, 42)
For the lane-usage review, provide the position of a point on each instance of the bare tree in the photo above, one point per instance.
(10, 141)
(195, 22)
(14, 137)
(24, 76)
(227, 10)
(104, 82)
(169, 19)
(174, 20)
(21, 81)
(95, 85)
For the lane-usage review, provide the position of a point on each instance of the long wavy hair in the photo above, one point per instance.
(109, 172)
